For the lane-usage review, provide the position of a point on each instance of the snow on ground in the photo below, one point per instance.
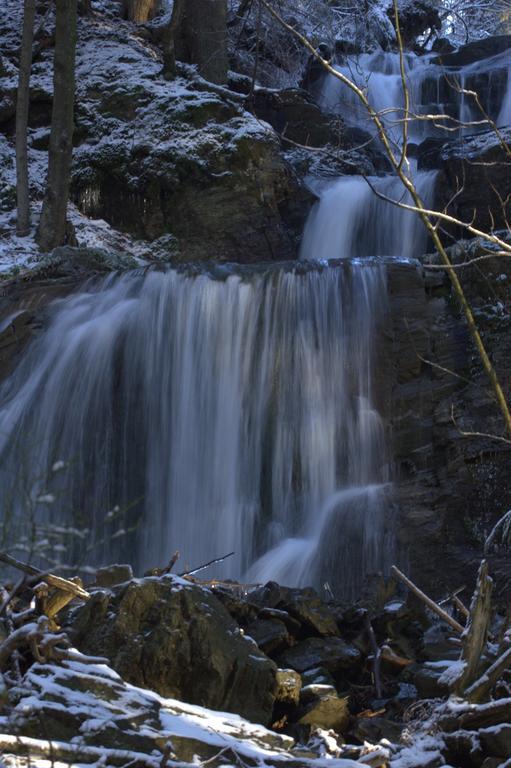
(99, 699)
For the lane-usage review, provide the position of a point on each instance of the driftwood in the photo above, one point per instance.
(206, 565)
(482, 687)
(478, 716)
(393, 658)
(54, 581)
(376, 658)
(476, 632)
(74, 753)
(455, 600)
(427, 600)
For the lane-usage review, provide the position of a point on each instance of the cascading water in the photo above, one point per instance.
(235, 414)
(434, 89)
(351, 221)
(231, 410)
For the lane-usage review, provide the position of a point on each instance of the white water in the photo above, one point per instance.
(433, 89)
(351, 221)
(235, 414)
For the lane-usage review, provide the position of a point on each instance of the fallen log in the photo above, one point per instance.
(476, 631)
(482, 687)
(427, 600)
(477, 716)
(54, 581)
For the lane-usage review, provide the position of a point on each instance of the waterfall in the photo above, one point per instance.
(351, 221)
(433, 88)
(207, 413)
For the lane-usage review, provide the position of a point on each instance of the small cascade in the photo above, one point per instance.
(434, 90)
(351, 221)
(209, 414)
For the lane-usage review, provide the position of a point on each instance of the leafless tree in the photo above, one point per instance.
(22, 107)
(52, 226)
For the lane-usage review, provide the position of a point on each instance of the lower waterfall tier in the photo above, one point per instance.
(169, 410)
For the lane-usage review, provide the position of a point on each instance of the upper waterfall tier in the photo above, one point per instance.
(434, 90)
(165, 411)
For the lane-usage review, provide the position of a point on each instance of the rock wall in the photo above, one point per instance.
(451, 488)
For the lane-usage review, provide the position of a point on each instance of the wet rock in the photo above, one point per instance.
(327, 712)
(112, 575)
(179, 640)
(429, 152)
(270, 635)
(289, 685)
(312, 613)
(270, 595)
(475, 51)
(332, 653)
(443, 45)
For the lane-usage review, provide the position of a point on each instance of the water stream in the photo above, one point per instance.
(227, 409)
(221, 414)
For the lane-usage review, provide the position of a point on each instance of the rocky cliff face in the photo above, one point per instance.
(452, 480)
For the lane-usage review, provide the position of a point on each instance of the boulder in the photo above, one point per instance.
(426, 679)
(315, 691)
(289, 685)
(327, 712)
(89, 712)
(312, 613)
(111, 575)
(329, 652)
(271, 635)
(297, 608)
(180, 157)
(179, 640)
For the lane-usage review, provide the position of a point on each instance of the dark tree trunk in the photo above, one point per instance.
(52, 226)
(85, 7)
(202, 38)
(141, 11)
(22, 106)
(169, 35)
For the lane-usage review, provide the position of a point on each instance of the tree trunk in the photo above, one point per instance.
(203, 38)
(52, 226)
(22, 106)
(169, 35)
(141, 11)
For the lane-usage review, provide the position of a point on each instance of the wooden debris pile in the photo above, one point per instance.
(29, 629)
(474, 726)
